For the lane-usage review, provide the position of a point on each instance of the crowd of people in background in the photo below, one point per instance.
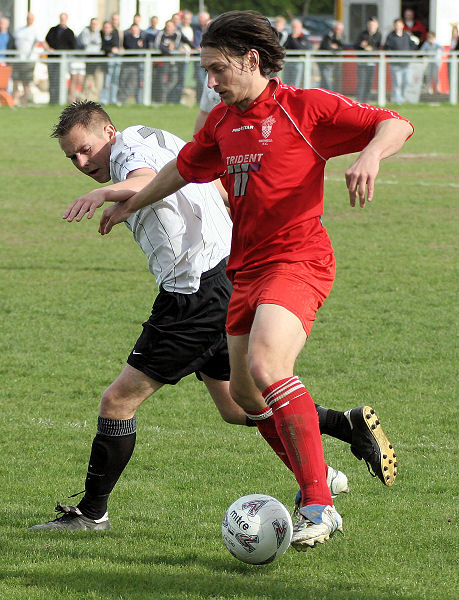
(112, 81)
(408, 34)
(120, 81)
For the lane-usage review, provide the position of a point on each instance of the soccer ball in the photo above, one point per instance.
(257, 529)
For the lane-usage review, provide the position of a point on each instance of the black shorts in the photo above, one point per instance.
(23, 72)
(186, 332)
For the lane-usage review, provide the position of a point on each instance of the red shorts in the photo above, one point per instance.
(300, 287)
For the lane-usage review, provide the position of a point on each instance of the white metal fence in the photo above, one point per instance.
(148, 78)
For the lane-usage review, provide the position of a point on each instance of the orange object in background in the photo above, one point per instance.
(443, 74)
(5, 74)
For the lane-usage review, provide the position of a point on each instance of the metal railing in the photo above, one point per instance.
(152, 71)
(347, 63)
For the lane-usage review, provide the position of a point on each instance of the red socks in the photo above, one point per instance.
(267, 427)
(291, 427)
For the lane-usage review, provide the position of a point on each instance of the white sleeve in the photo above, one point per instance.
(127, 161)
(141, 147)
(209, 99)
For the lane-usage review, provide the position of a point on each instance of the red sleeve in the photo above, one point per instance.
(200, 160)
(342, 125)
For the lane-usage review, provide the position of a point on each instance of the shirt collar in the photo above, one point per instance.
(266, 94)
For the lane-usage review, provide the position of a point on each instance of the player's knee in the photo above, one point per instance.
(231, 418)
(238, 394)
(265, 370)
(260, 369)
(109, 400)
(114, 406)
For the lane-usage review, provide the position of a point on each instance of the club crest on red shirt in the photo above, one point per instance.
(266, 126)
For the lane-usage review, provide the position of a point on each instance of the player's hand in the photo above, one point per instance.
(112, 215)
(93, 200)
(360, 178)
(87, 204)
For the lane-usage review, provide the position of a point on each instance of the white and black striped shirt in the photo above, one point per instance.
(184, 234)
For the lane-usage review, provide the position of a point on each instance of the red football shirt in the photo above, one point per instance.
(271, 159)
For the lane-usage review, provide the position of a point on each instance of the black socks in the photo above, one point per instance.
(111, 450)
(331, 422)
(334, 423)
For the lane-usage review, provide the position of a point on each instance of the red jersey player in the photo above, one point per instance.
(269, 143)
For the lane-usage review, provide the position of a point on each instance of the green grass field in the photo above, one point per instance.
(71, 307)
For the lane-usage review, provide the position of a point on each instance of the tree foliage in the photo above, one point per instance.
(288, 8)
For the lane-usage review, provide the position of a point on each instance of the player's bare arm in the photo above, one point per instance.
(167, 182)
(360, 177)
(223, 193)
(200, 120)
(115, 192)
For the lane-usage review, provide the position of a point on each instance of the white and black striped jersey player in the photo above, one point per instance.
(184, 234)
(186, 238)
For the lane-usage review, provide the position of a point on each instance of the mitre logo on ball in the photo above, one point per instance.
(257, 529)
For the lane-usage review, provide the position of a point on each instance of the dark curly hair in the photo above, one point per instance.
(82, 112)
(236, 32)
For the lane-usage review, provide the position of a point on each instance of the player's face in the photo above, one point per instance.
(90, 151)
(232, 78)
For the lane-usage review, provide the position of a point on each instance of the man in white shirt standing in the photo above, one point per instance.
(25, 39)
(90, 39)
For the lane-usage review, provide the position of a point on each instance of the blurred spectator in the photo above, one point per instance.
(169, 42)
(115, 64)
(130, 71)
(294, 67)
(90, 40)
(187, 40)
(137, 20)
(115, 21)
(60, 37)
(369, 40)
(331, 73)
(454, 46)
(186, 27)
(414, 27)
(399, 39)
(6, 43)
(152, 32)
(6, 38)
(177, 19)
(454, 37)
(280, 24)
(25, 39)
(110, 40)
(111, 48)
(199, 73)
(77, 75)
(434, 52)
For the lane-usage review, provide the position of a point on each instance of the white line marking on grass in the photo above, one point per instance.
(397, 182)
(426, 155)
(43, 422)
(77, 424)
(430, 445)
(50, 423)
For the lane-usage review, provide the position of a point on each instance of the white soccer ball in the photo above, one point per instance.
(257, 529)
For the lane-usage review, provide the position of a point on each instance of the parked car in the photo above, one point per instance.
(314, 27)
(317, 27)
